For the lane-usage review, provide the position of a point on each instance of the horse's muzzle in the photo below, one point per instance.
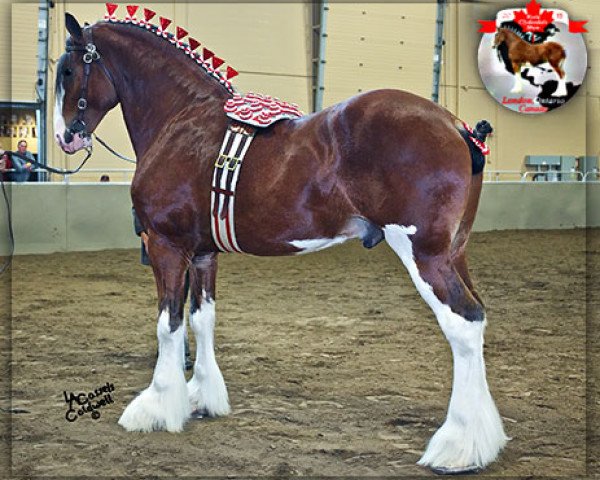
(73, 142)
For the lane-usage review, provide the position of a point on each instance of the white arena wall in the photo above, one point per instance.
(56, 217)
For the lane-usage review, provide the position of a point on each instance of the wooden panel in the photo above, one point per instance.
(561, 132)
(5, 49)
(468, 41)
(592, 80)
(450, 53)
(24, 52)
(449, 98)
(255, 37)
(289, 88)
(372, 46)
(593, 126)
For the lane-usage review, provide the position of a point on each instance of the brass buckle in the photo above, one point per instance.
(221, 159)
(233, 163)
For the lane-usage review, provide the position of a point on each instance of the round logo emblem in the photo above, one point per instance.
(532, 62)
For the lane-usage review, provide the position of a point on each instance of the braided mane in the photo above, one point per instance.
(208, 61)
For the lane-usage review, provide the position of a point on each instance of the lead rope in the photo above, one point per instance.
(116, 154)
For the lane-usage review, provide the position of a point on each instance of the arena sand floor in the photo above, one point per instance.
(335, 366)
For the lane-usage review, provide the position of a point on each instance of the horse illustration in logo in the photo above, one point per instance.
(517, 53)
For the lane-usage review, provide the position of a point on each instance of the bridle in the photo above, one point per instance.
(90, 56)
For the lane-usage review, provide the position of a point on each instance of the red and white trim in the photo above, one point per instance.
(260, 110)
(175, 39)
(485, 150)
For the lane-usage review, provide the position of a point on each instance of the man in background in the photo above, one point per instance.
(23, 152)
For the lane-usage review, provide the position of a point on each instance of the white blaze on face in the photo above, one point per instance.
(59, 121)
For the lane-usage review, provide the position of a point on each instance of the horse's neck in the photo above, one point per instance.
(156, 84)
(512, 39)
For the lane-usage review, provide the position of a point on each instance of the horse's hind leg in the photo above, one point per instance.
(164, 405)
(472, 435)
(561, 90)
(207, 390)
(461, 267)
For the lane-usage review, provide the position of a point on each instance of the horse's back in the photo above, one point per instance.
(397, 130)
(385, 155)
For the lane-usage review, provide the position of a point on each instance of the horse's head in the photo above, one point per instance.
(84, 91)
(500, 38)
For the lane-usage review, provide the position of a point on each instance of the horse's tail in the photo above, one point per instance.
(475, 141)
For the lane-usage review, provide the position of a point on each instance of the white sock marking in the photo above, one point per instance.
(164, 405)
(207, 390)
(472, 434)
(316, 244)
(561, 89)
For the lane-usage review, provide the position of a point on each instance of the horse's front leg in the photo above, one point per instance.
(164, 405)
(518, 86)
(207, 390)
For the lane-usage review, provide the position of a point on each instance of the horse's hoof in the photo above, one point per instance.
(456, 470)
(199, 414)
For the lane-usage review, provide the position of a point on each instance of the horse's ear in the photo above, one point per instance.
(73, 27)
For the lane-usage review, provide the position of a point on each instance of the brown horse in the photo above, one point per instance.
(520, 53)
(382, 164)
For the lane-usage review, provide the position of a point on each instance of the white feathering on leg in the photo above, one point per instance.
(472, 435)
(207, 390)
(164, 405)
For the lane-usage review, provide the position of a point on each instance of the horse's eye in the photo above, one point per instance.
(67, 71)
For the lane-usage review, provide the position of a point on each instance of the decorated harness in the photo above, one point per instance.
(247, 115)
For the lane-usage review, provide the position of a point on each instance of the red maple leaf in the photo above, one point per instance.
(533, 19)
(533, 8)
(521, 16)
(547, 16)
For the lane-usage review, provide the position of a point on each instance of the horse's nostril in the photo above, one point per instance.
(68, 136)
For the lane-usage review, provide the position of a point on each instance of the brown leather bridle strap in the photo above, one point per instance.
(90, 56)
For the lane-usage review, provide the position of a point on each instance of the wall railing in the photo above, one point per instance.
(553, 176)
(490, 176)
